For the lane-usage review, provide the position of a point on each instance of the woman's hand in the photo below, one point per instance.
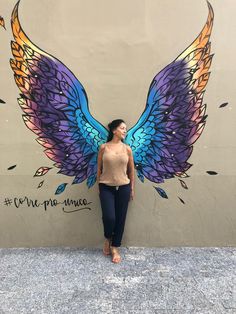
(131, 194)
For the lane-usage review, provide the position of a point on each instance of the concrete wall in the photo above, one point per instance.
(115, 48)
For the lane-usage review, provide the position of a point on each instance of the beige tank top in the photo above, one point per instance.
(114, 167)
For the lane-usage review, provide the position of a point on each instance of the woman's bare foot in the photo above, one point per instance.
(115, 255)
(106, 247)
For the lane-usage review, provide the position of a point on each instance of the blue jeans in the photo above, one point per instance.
(114, 203)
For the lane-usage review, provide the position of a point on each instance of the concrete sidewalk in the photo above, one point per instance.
(148, 280)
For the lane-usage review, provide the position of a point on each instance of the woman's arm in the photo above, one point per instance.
(130, 170)
(99, 161)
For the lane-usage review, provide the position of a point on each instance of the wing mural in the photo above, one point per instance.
(55, 107)
(174, 117)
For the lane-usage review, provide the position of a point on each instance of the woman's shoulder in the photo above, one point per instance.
(128, 147)
(102, 146)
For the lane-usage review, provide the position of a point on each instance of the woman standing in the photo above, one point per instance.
(115, 177)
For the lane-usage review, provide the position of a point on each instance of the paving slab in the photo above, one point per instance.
(170, 280)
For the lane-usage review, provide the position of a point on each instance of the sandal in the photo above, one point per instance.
(106, 247)
(115, 255)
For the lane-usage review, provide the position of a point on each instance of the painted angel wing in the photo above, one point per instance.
(174, 116)
(55, 107)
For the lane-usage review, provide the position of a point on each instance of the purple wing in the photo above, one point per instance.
(174, 117)
(55, 107)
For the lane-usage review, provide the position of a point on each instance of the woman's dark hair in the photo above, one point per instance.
(112, 126)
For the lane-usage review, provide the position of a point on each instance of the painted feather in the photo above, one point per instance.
(2, 22)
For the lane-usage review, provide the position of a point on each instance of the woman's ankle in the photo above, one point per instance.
(114, 247)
